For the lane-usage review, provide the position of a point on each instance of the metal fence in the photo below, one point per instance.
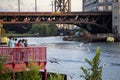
(17, 56)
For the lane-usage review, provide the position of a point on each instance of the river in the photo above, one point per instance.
(68, 56)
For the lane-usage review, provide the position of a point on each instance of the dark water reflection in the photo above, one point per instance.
(67, 57)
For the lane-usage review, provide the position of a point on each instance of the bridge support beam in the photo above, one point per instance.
(62, 5)
(116, 18)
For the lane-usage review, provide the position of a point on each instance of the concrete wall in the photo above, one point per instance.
(116, 18)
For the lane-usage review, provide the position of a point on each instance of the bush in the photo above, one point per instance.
(5, 73)
(95, 72)
(56, 76)
(32, 74)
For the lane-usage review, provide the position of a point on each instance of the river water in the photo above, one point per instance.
(68, 56)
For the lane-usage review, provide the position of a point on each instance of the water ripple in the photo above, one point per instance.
(57, 60)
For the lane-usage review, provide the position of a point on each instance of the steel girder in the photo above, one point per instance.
(62, 5)
(94, 22)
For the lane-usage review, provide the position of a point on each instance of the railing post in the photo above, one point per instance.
(45, 74)
(13, 75)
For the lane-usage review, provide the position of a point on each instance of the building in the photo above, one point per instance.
(106, 5)
(116, 18)
(98, 5)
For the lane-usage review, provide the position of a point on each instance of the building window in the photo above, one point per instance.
(115, 17)
(86, 1)
(101, 8)
(110, 0)
(115, 0)
(101, 1)
(109, 7)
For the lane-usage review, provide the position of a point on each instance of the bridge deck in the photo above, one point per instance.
(52, 13)
(94, 22)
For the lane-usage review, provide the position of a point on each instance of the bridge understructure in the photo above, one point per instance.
(94, 22)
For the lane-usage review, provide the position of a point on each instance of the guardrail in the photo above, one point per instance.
(18, 57)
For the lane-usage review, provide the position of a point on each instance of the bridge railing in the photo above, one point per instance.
(24, 56)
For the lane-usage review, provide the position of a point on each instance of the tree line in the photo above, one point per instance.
(44, 29)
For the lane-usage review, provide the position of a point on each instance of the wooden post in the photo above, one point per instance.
(45, 74)
(13, 75)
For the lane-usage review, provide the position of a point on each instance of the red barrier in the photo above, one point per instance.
(21, 57)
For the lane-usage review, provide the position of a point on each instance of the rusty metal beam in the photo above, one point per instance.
(62, 5)
(100, 19)
(52, 13)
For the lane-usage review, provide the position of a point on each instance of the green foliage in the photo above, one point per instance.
(80, 30)
(34, 28)
(53, 29)
(5, 73)
(44, 29)
(32, 74)
(95, 72)
(56, 77)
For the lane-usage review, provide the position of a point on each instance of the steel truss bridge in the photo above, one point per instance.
(94, 22)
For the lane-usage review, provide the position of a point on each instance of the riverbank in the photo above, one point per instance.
(84, 39)
(92, 38)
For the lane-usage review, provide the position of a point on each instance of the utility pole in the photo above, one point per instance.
(18, 5)
(52, 5)
(35, 5)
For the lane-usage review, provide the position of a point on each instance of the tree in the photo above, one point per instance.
(95, 72)
(44, 29)
(53, 29)
(34, 28)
